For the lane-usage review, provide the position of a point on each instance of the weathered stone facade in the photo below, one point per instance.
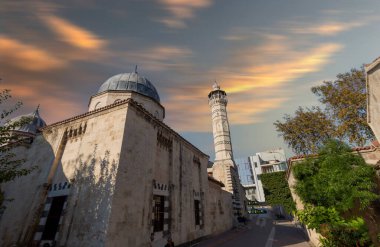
(114, 176)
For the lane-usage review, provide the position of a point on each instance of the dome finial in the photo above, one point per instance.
(215, 86)
(36, 111)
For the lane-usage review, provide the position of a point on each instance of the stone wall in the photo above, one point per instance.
(219, 216)
(80, 167)
(312, 234)
(162, 163)
(373, 93)
(25, 192)
(110, 97)
(108, 164)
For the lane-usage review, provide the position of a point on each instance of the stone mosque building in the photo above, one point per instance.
(117, 175)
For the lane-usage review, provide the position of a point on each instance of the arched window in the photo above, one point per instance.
(97, 106)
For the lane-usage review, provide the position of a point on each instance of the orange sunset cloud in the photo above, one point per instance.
(181, 10)
(262, 74)
(27, 57)
(72, 34)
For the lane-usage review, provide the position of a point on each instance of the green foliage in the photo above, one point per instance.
(348, 233)
(343, 117)
(336, 178)
(331, 184)
(10, 166)
(307, 130)
(346, 103)
(277, 190)
(318, 217)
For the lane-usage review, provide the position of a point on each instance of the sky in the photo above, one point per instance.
(266, 55)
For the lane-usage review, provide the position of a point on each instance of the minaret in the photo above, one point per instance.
(220, 127)
(224, 168)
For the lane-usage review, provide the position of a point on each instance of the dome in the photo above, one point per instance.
(33, 126)
(131, 82)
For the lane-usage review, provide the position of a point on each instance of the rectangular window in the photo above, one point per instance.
(196, 212)
(158, 221)
(53, 218)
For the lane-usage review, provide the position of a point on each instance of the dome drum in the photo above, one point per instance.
(129, 85)
(130, 82)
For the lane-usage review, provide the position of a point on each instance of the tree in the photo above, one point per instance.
(343, 117)
(346, 103)
(10, 166)
(307, 130)
(331, 185)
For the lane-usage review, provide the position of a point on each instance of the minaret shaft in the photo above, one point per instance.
(224, 168)
(220, 125)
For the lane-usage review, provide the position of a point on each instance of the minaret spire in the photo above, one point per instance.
(215, 86)
(36, 111)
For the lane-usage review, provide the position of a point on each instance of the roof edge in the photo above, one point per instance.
(137, 106)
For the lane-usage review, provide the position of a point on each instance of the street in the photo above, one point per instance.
(261, 232)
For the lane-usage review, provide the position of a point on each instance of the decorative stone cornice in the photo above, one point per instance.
(128, 102)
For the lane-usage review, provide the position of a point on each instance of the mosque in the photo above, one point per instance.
(117, 175)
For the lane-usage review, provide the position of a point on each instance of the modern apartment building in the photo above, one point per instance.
(251, 168)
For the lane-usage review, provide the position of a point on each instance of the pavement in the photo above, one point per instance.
(260, 231)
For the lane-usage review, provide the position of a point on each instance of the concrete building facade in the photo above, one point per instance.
(116, 175)
(251, 168)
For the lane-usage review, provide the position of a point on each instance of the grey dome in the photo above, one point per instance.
(35, 123)
(131, 82)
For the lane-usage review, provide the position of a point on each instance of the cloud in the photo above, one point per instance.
(331, 27)
(73, 34)
(50, 97)
(181, 10)
(327, 29)
(275, 71)
(27, 57)
(235, 37)
(162, 57)
(188, 109)
(256, 79)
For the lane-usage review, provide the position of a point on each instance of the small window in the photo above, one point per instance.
(158, 221)
(196, 212)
